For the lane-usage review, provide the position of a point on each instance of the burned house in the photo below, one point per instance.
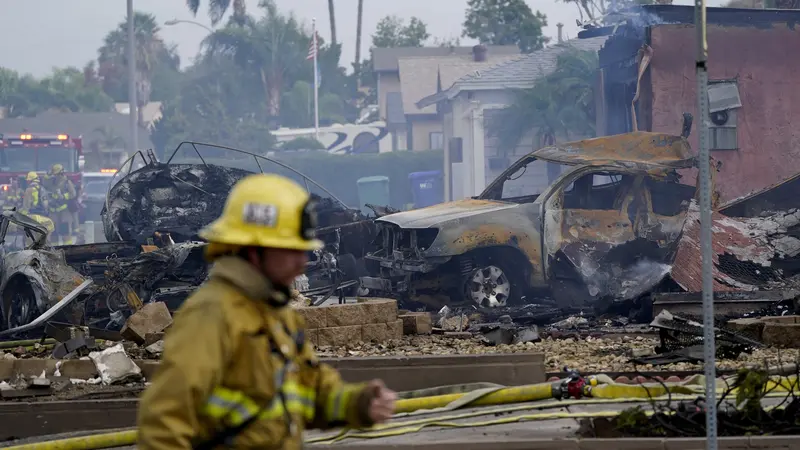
(753, 91)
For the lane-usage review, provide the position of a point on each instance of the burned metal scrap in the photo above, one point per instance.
(682, 341)
(179, 267)
(181, 198)
(175, 198)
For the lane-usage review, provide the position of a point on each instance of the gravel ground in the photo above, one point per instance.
(587, 355)
(590, 354)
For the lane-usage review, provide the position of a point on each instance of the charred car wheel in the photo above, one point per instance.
(492, 284)
(21, 302)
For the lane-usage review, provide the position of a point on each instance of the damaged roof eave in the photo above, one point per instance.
(640, 150)
(457, 88)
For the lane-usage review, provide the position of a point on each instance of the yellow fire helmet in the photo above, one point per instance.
(56, 169)
(32, 176)
(266, 211)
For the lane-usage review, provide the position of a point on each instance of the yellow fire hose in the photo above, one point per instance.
(597, 393)
(95, 441)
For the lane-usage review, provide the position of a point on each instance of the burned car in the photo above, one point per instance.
(606, 228)
(90, 284)
(188, 191)
(33, 279)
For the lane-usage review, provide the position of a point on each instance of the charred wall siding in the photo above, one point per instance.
(759, 57)
(618, 63)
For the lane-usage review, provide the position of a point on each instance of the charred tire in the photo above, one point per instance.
(20, 301)
(494, 282)
(348, 264)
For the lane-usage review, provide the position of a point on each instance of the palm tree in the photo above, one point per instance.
(358, 39)
(149, 51)
(104, 147)
(332, 19)
(270, 46)
(218, 8)
(559, 106)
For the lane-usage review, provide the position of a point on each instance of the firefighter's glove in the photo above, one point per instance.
(381, 406)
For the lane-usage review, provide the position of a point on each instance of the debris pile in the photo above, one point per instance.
(178, 198)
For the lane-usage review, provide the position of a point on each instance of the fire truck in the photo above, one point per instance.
(35, 152)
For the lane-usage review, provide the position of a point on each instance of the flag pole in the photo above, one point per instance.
(316, 77)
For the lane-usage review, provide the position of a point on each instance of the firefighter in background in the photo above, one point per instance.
(34, 205)
(33, 200)
(62, 201)
(237, 368)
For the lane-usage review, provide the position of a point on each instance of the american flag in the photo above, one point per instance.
(312, 49)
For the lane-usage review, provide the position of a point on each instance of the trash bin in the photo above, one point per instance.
(374, 190)
(426, 188)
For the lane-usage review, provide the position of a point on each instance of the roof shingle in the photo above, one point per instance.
(386, 59)
(518, 73)
(420, 77)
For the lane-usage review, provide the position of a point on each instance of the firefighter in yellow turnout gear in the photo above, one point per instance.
(62, 196)
(34, 205)
(237, 369)
(33, 202)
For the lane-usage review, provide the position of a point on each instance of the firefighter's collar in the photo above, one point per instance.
(249, 280)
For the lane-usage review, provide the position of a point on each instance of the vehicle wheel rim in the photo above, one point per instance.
(489, 287)
(21, 312)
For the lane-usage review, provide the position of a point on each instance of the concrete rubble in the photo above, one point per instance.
(115, 366)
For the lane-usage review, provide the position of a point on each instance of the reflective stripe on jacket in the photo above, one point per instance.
(32, 201)
(62, 191)
(230, 356)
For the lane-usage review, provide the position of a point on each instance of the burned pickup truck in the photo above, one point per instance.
(606, 229)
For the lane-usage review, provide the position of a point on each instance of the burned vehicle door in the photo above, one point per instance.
(604, 239)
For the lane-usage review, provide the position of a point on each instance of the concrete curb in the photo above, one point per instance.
(744, 442)
(399, 373)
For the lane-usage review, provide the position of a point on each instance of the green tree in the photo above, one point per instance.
(446, 42)
(218, 8)
(169, 130)
(274, 47)
(63, 90)
(150, 52)
(505, 22)
(559, 106)
(9, 83)
(297, 109)
(392, 31)
(303, 143)
(332, 21)
(101, 146)
(216, 105)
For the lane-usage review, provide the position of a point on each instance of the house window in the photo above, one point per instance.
(723, 105)
(436, 140)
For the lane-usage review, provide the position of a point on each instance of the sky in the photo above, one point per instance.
(37, 35)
